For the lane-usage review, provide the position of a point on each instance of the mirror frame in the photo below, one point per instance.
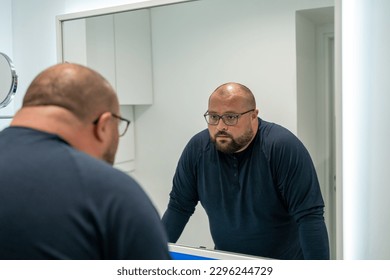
(14, 82)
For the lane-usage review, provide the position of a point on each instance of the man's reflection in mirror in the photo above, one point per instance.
(255, 180)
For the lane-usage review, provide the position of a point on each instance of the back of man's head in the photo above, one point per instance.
(81, 90)
(75, 103)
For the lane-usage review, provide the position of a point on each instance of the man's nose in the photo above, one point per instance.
(221, 126)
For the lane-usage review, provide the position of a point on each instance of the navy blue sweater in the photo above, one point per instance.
(59, 203)
(263, 201)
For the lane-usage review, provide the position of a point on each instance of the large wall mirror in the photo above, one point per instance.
(165, 58)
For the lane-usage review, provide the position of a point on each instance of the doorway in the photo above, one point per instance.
(316, 118)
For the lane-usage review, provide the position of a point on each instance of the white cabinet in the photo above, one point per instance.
(134, 57)
(100, 47)
(74, 42)
(117, 46)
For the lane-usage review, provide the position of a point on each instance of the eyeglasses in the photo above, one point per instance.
(123, 124)
(228, 119)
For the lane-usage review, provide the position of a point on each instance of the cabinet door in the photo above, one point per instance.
(74, 42)
(133, 57)
(100, 46)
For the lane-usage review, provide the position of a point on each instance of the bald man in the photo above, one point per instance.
(255, 180)
(60, 196)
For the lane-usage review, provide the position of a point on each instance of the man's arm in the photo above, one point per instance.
(183, 197)
(314, 237)
(297, 181)
(174, 223)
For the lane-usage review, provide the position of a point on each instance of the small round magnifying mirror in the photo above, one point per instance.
(8, 80)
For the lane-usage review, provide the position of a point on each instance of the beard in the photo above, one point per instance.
(230, 145)
(109, 155)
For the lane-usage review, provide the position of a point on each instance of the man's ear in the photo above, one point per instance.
(102, 127)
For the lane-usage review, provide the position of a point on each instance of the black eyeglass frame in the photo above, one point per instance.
(118, 117)
(223, 117)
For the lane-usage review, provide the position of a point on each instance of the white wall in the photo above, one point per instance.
(6, 27)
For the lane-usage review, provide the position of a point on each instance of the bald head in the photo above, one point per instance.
(235, 91)
(77, 104)
(78, 89)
